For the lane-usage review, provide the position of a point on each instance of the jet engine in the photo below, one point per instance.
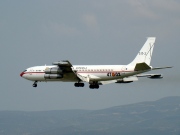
(53, 73)
(53, 76)
(156, 76)
(54, 70)
(124, 81)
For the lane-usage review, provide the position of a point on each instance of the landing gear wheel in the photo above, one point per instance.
(94, 86)
(97, 86)
(76, 84)
(91, 86)
(35, 84)
(79, 84)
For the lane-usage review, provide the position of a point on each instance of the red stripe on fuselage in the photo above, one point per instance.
(31, 73)
(86, 72)
(77, 72)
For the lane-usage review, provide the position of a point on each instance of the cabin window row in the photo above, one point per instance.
(97, 70)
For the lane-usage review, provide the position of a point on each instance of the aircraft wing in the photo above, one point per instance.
(84, 77)
(88, 78)
(122, 80)
(65, 65)
(144, 66)
(152, 76)
(91, 78)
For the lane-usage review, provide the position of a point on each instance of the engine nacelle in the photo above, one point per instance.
(53, 71)
(53, 76)
(156, 76)
(127, 79)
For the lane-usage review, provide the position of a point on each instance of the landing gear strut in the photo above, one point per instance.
(35, 84)
(79, 84)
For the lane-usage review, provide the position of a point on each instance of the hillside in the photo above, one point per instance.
(147, 118)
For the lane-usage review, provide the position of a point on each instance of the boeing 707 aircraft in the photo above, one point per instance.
(96, 75)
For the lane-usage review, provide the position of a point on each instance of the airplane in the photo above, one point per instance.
(96, 75)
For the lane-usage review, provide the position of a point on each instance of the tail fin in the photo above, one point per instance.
(145, 53)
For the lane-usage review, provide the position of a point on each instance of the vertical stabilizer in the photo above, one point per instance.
(145, 54)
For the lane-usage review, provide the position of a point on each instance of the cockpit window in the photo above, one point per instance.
(24, 70)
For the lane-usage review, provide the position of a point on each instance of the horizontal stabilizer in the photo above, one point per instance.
(160, 68)
(142, 66)
(151, 76)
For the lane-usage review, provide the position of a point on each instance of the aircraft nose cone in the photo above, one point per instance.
(22, 74)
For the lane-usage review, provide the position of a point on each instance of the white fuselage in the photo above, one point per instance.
(98, 72)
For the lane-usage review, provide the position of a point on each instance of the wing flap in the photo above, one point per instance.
(84, 77)
(88, 78)
(65, 65)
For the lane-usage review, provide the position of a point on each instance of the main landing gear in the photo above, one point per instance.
(94, 86)
(35, 84)
(79, 84)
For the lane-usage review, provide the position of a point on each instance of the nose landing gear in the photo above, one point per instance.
(35, 84)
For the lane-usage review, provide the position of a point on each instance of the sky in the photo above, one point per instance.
(105, 32)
